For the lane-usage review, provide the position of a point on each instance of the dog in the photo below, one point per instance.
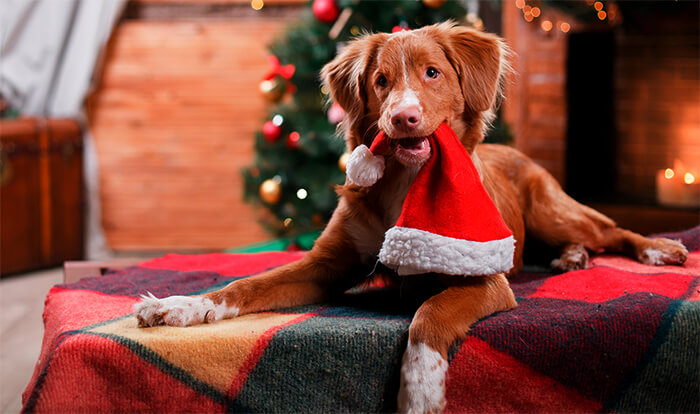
(406, 84)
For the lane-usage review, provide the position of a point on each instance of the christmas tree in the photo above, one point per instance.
(299, 157)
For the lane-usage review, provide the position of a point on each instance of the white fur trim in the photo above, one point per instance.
(364, 168)
(180, 310)
(422, 380)
(413, 251)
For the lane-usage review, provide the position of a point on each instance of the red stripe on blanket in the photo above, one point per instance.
(481, 379)
(223, 263)
(87, 379)
(75, 309)
(690, 267)
(600, 284)
(257, 351)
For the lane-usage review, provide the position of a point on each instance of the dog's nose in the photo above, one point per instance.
(406, 119)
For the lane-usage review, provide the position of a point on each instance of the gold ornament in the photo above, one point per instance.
(272, 89)
(343, 161)
(271, 191)
(434, 4)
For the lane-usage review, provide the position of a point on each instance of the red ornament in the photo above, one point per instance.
(271, 132)
(400, 28)
(325, 11)
(293, 140)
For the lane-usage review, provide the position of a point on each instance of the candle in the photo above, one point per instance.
(677, 186)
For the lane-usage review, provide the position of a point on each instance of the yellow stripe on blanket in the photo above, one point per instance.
(213, 353)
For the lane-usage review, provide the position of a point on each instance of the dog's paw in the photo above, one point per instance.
(662, 251)
(573, 257)
(422, 380)
(179, 311)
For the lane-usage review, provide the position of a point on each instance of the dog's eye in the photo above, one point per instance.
(432, 73)
(381, 81)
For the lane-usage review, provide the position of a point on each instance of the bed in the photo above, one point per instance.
(619, 336)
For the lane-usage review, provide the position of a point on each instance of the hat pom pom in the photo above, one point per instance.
(364, 168)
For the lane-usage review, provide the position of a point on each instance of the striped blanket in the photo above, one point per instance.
(618, 336)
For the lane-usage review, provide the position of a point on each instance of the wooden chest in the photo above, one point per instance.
(41, 193)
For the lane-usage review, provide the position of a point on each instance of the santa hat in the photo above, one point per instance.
(448, 222)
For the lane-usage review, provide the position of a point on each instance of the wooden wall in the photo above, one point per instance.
(535, 105)
(174, 118)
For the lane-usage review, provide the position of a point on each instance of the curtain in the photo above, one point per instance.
(49, 50)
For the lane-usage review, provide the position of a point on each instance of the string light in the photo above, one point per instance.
(688, 178)
(257, 4)
(669, 173)
(301, 194)
(602, 15)
(531, 13)
(277, 120)
(598, 6)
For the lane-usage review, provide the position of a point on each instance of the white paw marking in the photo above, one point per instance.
(180, 310)
(657, 257)
(422, 380)
(572, 259)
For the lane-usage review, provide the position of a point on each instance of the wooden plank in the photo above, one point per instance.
(174, 119)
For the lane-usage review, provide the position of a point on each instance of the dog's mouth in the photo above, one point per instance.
(412, 151)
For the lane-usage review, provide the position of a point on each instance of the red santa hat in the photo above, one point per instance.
(448, 223)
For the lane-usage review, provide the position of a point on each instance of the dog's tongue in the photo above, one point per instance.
(412, 143)
(413, 149)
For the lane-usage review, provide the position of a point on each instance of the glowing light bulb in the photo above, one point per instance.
(520, 3)
(669, 173)
(565, 27)
(535, 12)
(688, 178)
(602, 15)
(257, 4)
(598, 6)
(546, 25)
(301, 194)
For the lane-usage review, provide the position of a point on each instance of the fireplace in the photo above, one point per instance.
(633, 97)
(611, 110)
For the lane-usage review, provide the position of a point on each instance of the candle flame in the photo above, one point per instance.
(668, 173)
(689, 178)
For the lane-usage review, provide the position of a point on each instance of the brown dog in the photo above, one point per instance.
(406, 84)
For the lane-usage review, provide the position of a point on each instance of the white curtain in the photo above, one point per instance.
(49, 50)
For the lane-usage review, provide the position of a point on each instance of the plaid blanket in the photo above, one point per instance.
(619, 336)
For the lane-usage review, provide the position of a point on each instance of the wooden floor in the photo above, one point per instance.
(21, 331)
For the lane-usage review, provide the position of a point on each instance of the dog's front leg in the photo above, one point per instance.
(441, 320)
(322, 272)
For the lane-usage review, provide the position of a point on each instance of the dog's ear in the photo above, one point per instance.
(479, 60)
(345, 76)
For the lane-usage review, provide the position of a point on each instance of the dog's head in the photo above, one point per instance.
(407, 83)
